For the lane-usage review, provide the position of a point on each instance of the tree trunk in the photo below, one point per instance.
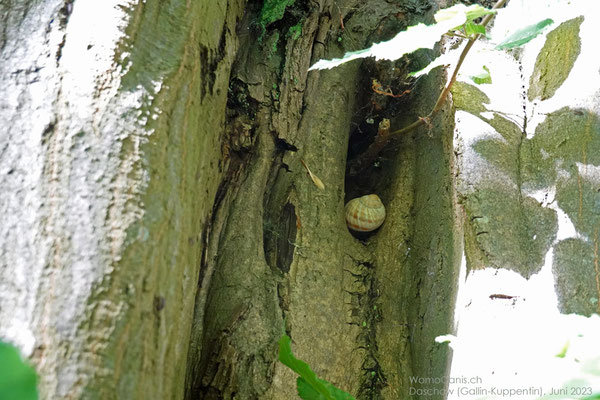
(160, 232)
(280, 258)
(109, 167)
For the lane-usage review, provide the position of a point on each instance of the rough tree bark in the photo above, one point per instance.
(109, 166)
(280, 258)
(159, 233)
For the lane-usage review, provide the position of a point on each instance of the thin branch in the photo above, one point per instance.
(460, 35)
(462, 57)
(375, 148)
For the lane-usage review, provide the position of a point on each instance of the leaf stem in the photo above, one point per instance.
(369, 155)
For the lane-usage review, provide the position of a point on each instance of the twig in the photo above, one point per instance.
(375, 148)
(456, 35)
(377, 88)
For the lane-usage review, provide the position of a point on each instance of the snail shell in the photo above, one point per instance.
(365, 214)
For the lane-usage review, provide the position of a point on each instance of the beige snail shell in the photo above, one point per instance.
(365, 214)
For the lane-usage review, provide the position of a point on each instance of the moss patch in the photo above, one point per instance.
(295, 31)
(556, 59)
(272, 10)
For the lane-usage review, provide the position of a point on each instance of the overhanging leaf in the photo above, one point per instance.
(306, 391)
(413, 38)
(300, 367)
(482, 78)
(474, 29)
(476, 11)
(472, 12)
(524, 35)
(448, 58)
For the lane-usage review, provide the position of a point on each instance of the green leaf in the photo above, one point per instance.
(309, 386)
(470, 13)
(445, 59)
(592, 397)
(482, 78)
(475, 11)
(306, 391)
(563, 352)
(415, 37)
(474, 29)
(17, 379)
(349, 56)
(524, 35)
(300, 367)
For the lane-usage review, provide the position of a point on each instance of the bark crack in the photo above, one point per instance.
(366, 312)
